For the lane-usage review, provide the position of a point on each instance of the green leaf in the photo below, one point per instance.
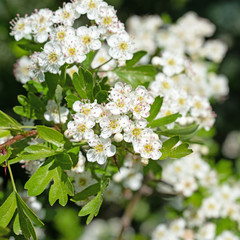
(164, 120)
(180, 131)
(61, 188)
(177, 152)
(4, 231)
(138, 75)
(155, 108)
(16, 225)
(51, 135)
(136, 57)
(58, 94)
(87, 62)
(83, 83)
(7, 121)
(25, 223)
(24, 112)
(101, 96)
(71, 99)
(35, 87)
(29, 212)
(64, 161)
(87, 192)
(52, 82)
(4, 157)
(31, 46)
(7, 210)
(40, 179)
(92, 208)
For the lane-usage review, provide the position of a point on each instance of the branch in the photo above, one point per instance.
(17, 138)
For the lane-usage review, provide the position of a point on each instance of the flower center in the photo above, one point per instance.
(181, 101)
(137, 109)
(99, 148)
(171, 62)
(107, 20)
(72, 51)
(165, 85)
(61, 35)
(66, 15)
(86, 40)
(85, 111)
(120, 103)
(123, 46)
(198, 105)
(167, 113)
(102, 59)
(92, 5)
(20, 26)
(53, 57)
(148, 148)
(136, 132)
(114, 124)
(82, 181)
(42, 19)
(81, 128)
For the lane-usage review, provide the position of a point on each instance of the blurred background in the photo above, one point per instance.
(225, 14)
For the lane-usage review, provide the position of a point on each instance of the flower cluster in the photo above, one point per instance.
(122, 118)
(65, 44)
(186, 56)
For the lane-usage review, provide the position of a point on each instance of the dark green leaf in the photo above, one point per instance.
(180, 131)
(101, 96)
(31, 46)
(4, 157)
(79, 85)
(71, 99)
(25, 223)
(136, 57)
(29, 212)
(64, 161)
(87, 192)
(138, 75)
(51, 135)
(58, 94)
(7, 121)
(164, 120)
(4, 231)
(52, 82)
(155, 108)
(7, 210)
(180, 151)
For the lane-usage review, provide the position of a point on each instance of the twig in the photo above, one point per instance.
(18, 138)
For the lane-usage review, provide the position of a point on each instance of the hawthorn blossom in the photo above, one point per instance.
(101, 149)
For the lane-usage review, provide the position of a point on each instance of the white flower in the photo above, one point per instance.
(206, 232)
(211, 207)
(73, 51)
(81, 127)
(80, 166)
(61, 33)
(51, 59)
(148, 145)
(22, 70)
(89, 38)
(55, 113)
(186, 185)
(178, 227)
(101, 150)
(66, 15)
(91, 7)
(21, 28)
(227, 235)
(121, 46)
(171, 63)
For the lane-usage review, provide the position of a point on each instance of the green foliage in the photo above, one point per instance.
(136, 58)
(71, 99)
(168, 149)
(51, 135)
(87, 62)
(164, 120)
(155, 108)
(136, 76)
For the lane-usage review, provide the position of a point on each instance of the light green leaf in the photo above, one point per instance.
(64, 161)
(87, 62)
(29, 212)
(16, 225)
(7, 121)
(164, 120)
(31, 46)
(7, 210)
(61, 188)
(78, 83)
(138, 75)
(40, 179)
(180, 131)
(51, 135)
(136, 58)
(58, 94)
(87, 192)
(92, 208)
(155, 108)
(180, 151)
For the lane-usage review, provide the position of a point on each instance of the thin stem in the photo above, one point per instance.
(20, 127)
(102, 64)
(12, 179)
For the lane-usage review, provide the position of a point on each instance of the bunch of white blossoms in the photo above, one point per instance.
(122, 118)
(186, 56)
(66, 44)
